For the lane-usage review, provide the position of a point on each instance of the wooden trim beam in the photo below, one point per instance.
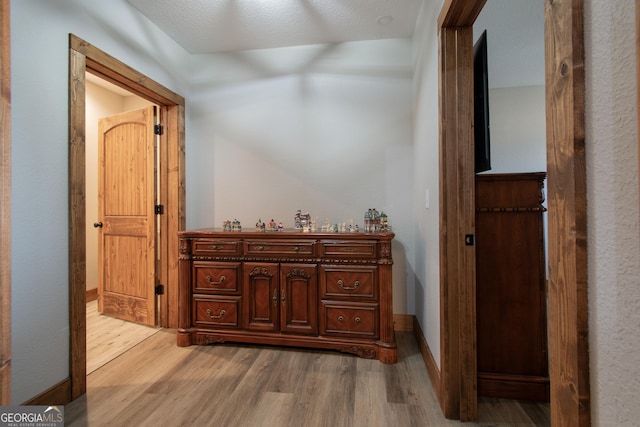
(5, 206)
(176, 199)
(77, 233)
(638, 75)
(458, 376)
(120, 74)
(567, 218)
(455, 13)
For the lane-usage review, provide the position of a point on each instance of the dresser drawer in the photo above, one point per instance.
(349, 248)
(353, 320)
(348, 282)
(217, 278)
(216, 247)
(218, 312)
(269, 248)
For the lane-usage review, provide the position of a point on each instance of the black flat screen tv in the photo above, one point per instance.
(481, 105)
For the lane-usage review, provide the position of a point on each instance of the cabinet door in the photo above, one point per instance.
(261, 296)
(299, 298)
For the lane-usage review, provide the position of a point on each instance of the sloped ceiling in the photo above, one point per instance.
(515, 28)
(207, 26)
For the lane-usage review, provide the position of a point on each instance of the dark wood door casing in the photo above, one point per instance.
(83, 58)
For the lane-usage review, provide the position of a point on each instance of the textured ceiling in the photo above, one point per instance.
(206, 26)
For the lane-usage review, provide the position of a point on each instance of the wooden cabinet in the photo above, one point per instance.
(511, 287)
(281, 297)
(318, 290)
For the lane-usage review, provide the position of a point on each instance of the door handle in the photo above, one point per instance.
(97, 224)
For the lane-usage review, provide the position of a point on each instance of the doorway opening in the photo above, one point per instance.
(564, 79)
(83, 58)
(117, 322)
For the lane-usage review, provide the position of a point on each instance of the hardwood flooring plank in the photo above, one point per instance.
(273, 409)
(332, 392)
(157, 383)
(539, 414)
(370, 405)
(107, 337)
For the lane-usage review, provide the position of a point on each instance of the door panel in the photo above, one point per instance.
(126, 203)
(299, 298)
(261, 296)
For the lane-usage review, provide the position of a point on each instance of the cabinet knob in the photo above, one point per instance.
(357, 320)
(340, 318)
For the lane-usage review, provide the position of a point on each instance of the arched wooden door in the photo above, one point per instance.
(126, 210)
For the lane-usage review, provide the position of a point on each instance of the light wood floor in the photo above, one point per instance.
(157, 383)
(108, 338)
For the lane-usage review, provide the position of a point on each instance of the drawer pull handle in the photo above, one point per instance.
(340, 318)
(222, 313)
(214, 283)
(215, 247)
(262, 248)
(357, 320)
(283, 297)
(348, 249)
(296, 249)
(347, 288)
(275, 297)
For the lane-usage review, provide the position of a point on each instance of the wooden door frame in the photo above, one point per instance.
(637, 4)
(83, 57)
(5, 206)
(566, 194)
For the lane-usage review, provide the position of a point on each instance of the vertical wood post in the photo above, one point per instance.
(458, 362)
(5, 206)
(567, 230)
(457, 269)
(77, 230)
(638, 74)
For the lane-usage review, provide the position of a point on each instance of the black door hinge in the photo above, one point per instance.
(159, 210)
(159, 289)
(157, 129)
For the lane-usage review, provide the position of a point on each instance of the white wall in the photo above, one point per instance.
(426, 264)
(39, 164)
(612, 212)
(515, 51)
(518, 129)
(324, 128)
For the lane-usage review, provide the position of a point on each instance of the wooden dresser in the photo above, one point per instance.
(511, 287)
(288, 288)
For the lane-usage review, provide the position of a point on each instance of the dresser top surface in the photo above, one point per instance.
(288, 233)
